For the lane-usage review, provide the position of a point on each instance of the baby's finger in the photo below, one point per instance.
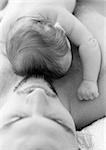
(91, 97)
(95, 95)
(80, 96)
(86, 97)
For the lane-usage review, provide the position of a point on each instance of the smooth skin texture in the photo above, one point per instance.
(55, 11)
(31, 104)
(33, 118)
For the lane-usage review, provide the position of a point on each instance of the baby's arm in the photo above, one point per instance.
(89, 52)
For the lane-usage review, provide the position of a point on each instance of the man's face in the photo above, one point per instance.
(33, 118)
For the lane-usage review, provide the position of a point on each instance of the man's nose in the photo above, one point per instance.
(38, 102)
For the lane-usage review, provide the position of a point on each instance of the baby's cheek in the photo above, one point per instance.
(66, 61)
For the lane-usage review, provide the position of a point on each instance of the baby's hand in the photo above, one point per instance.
(88, 90)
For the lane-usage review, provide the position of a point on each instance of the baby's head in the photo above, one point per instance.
(36, 46)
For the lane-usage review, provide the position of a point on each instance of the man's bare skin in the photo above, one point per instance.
(83, 113)
(55, 12)
(93, 13)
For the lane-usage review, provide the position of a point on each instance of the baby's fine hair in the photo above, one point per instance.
(35, 46)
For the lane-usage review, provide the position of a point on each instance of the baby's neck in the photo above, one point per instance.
(46, 13)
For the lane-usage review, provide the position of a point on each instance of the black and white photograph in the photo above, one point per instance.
(52, 74)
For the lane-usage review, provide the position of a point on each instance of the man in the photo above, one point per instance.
(34, 113)
(36, 41)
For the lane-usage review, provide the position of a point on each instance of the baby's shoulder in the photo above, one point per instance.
(48, 12)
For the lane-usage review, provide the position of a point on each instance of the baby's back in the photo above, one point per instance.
(44, 8)
(68, 4)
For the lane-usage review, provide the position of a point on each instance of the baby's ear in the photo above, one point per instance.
(57, 25)
(84, 141)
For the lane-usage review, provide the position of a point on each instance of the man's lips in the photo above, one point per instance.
(55, 117)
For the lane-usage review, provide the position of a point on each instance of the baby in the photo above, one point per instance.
(37, 35)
